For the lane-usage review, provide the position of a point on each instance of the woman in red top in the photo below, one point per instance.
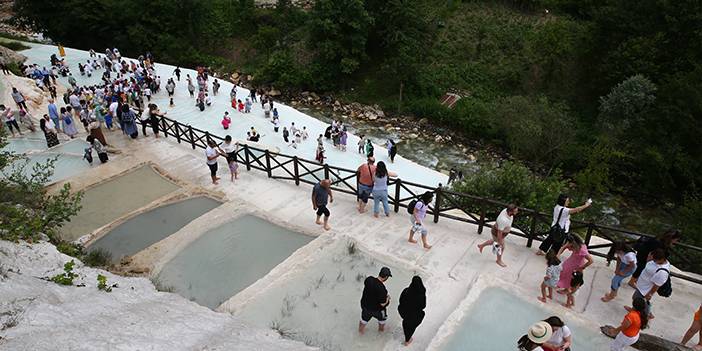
(628, 332)
(695, 328)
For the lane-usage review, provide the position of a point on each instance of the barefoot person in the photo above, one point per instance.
(365, 174)
(375, 300)
(413, 300)
(626, 264)
(417, 219)
(320, 194)
(553, 274)
(561, 224)
(695, 328)
(500, 230)
(628, 332)
(655, 275)
(211, 153)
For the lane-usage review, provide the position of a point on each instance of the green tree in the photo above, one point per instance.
(338, 35)
(627, 104)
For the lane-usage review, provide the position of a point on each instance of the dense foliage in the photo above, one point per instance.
(609, 92)
(27, 209)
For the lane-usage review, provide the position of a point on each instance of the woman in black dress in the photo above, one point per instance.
(49, 128)
(413, 300)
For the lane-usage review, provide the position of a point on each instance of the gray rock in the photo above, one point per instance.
(8, 56)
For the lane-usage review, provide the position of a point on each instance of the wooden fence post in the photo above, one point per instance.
(246, 157)
(207, 138)
(532, 230)
(398, 186)
(588, 236)
(177, 131)
(437, 203)
(481, 223)
(269, 171)
(296, 171)
(326, 171)
(192, 137)
(163, 127)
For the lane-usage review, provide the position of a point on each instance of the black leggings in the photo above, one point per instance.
(550, 244)
(12, 123)
(409, 325)
(213, 169)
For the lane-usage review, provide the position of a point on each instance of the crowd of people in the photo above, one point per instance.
(125, 96)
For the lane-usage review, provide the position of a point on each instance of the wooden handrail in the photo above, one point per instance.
(191, 135)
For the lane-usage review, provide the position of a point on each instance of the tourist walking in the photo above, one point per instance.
(695, 328)
(413, 301)
(627, 333)
(211, 153)
(655, 278)
(578, 260)
(49, 128)
(380, 189)
(54, 114)
(626, 264)
(419, 212)
(230, 149)
(368, 148)
(500, 230)
(537, 335)
(560, 226)
(177, 73)
(321, 194)
(561, 336)
(215, 87)
(645, 245)
(365, 174)
(553, 274)
(19, 98)
(286, 134)
(8, 116)
(392, 150)
(375, 300)
(361, 144)
(96, 145)
(68, 126)
(129, 122)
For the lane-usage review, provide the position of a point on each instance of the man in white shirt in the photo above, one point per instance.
(655, 274)
(500, 230)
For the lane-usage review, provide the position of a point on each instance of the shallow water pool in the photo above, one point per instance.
(498, 319)
(319, 303)
(143, 230)
(115, 198)
(227, 259)
(22, 145)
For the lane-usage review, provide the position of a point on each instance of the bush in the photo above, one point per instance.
(97, 258)
(14, 45)
(512, 182)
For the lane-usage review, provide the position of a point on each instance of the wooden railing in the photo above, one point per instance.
(529, 224)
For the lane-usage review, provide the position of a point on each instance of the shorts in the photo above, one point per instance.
(213, 169)
(366, 315)
(323, 210)
(417, 227)
(638, 294)
(233, 166)
(364, 192)
(617, 279)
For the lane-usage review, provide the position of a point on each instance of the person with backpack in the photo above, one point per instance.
(365, 174)
(561, 224)
(418, 210)
(655, 278)
(645, 245)
(578, 260)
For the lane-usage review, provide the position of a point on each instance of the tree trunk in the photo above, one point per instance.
(399, 101)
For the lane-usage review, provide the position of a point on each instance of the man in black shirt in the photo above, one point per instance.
(375, 300)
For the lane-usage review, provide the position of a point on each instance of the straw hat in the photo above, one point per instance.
(540, 332)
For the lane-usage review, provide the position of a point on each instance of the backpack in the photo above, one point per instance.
(557, 233)
(411, 205)
(666, 289)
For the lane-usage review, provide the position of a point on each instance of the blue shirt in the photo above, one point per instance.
(53, 111)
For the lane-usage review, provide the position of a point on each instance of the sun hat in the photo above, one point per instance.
(540, 332)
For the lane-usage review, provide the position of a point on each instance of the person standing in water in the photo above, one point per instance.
(413, 301)
(375, 300)
(321, 193)
(500, 230)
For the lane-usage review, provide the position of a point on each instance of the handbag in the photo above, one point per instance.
(557, 233)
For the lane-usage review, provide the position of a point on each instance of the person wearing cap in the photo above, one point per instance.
(537, 335)
(375, 300)
(320, 194)
(365, 174)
